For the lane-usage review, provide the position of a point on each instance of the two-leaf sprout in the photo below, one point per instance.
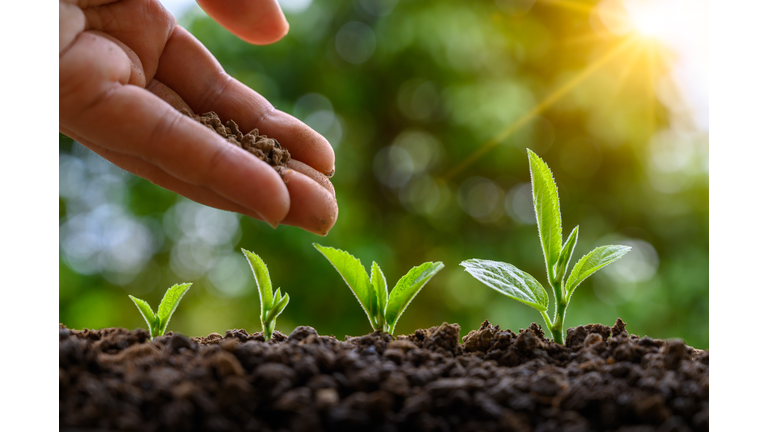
(383, 309)
(521, 286)
(272, 305)
(159, 322)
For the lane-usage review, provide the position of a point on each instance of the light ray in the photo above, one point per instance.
(652, 54)
(541, 106)
(572, 5)
(590, 37)
(629, 67)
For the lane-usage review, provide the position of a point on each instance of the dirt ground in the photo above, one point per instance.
(602, 379)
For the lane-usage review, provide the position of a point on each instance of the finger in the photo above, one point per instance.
(312, 174)
(71, 23)
(133, 121)
(88, 69)
(88, 3)
(313, 207)
(161, 178)
(137, 76)
(206, 87)
(259, 22)
(169, 96)
(142, 25)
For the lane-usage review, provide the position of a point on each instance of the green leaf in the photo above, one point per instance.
(547, 206)
(148, 314)
(509, 280)
(168, 305)
(278, 308)
(565, 254)
(263, 282)
(379, 283)
(406, 289)
(353, 273)
(276, 298)
(592, 262)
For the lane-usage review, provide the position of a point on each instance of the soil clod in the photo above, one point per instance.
(261, 146)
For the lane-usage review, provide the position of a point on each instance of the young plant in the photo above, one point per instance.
(272, 305)
(515, 283)
(383, 309)
(159, 322)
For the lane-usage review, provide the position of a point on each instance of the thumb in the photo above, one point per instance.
(259, 22)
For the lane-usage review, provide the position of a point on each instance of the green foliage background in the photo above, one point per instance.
(405, 96)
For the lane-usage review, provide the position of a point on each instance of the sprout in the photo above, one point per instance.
(515, 283)
(383, 309)
(159, 322)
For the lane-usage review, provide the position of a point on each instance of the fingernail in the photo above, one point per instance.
(258, 215)
(333, 171)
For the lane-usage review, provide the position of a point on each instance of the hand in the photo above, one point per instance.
(125, 68)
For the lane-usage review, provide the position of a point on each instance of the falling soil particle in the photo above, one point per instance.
(261, 146)
(497, 380)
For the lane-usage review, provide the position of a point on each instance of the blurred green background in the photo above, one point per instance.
(430, 106)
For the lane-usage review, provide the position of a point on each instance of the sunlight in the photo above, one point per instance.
(654, 19)
(540, 107)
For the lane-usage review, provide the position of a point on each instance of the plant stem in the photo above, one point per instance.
(269, 328)
(546, 320)
(557, 326)
(560, 304)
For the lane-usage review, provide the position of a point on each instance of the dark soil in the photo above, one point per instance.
(261, 146)
(603, 379)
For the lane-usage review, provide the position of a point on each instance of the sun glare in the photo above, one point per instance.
(656, 39)
(657, 19)
(648, 17)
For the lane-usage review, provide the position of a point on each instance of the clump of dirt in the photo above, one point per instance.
(261, 146)
(602, 379)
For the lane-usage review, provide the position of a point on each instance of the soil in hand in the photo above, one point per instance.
(497, 380)
(261, 146)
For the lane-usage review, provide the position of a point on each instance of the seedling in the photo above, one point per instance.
(383, 309)
(515, 283)
(159, 322)
(272, 305)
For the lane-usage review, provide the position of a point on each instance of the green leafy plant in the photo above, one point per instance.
(272, 305)
(159, 322)
(383, 309)
(521, 286)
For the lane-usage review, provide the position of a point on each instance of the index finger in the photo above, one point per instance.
(259, 22)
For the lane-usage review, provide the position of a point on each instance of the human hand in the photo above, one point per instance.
(125, 70)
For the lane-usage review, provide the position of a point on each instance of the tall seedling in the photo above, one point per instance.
(521, 286)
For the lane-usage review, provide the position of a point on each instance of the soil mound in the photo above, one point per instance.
(602, 379)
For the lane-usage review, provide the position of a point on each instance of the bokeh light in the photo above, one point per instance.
(355, 42)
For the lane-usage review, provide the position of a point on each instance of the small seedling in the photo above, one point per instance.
(272, 305)
(515, 283)
(159, 322)
(383, 309)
